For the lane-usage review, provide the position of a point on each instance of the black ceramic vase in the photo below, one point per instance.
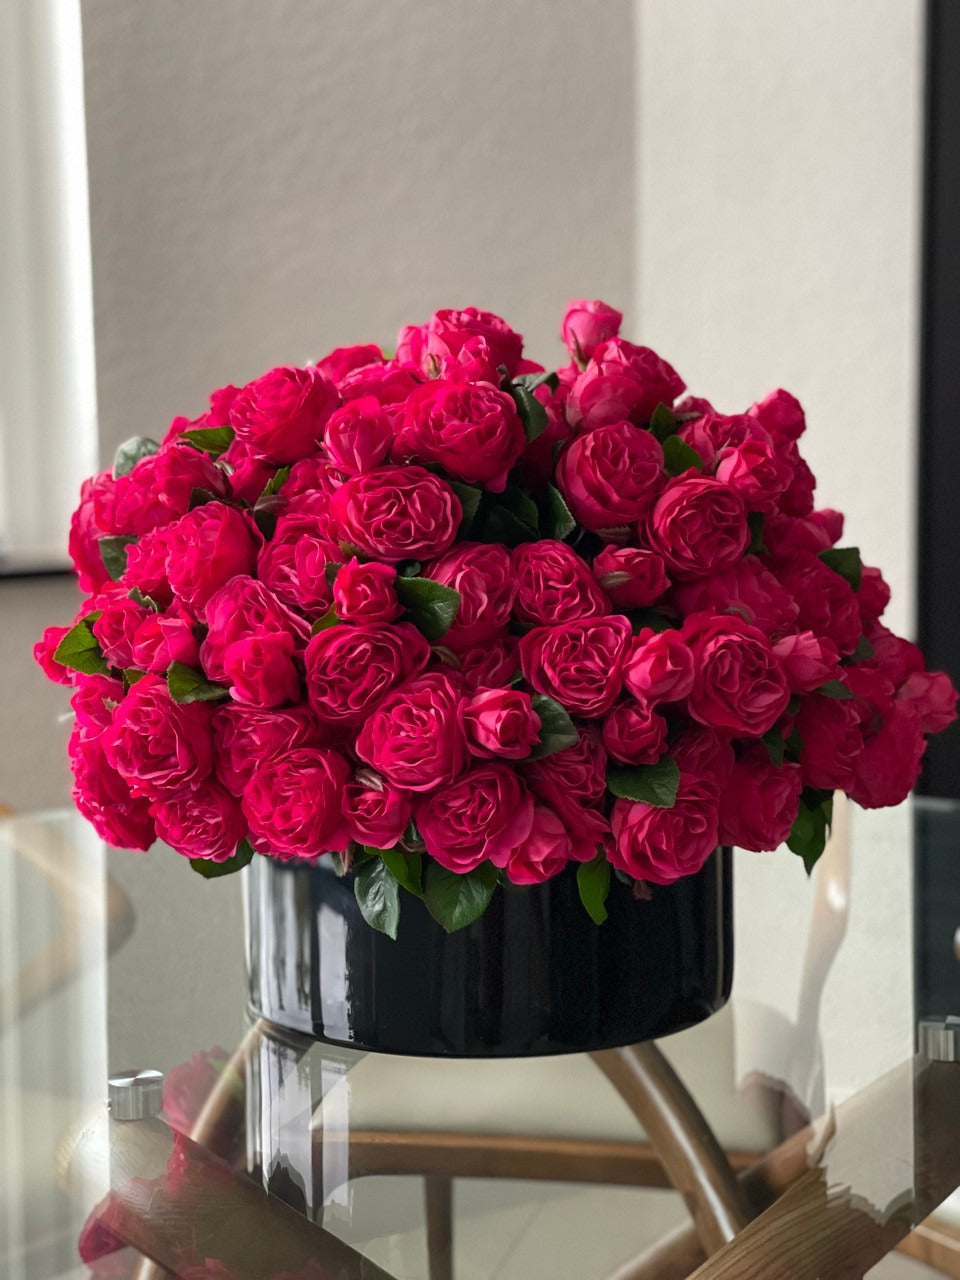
(533, 975)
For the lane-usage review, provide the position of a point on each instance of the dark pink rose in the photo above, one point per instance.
(760, 802)
(244, 607)
(208, 547)
(579, 664)
(481, 817)
(350, 670)
(147, 566)
(543, 853)
(661, 845)
(500, 722)
(387, 383)
(281, 415)
(713, 435)
(414, 736)
(343, 360)
(699, 526)
(579, 771)
(886, 769)
(94, 702)
(746, 588)
(247, 737)
(377, 814)
(658, 666)
(43, 652)
(365, 592)
(446, 332)
(632, 577)
(490, 665)
(633, 733)
(293, 563)
(756, 472)
(105, 799)
(896, 657)
(397, 513)
(162, 638)
(780, 414)
(832, 737)
(826, 603)
(739, 686)
(472, 429)
(116, 629)
(797, 498)
(789, 538)
(482, 573)
(873, 690)
(187, 1086)
(554, 585)
(622, 381)
(358, 436)
(873, 596)
(292, 804)
(808, 661)
(205, 821)
(158, 745)
(704, 754)
(217, 414)
(86, 532)
(611, 476)
(586, 325)
(160, 486)
(930, 695)
(310, 477)
(249, 473)
(261, 670)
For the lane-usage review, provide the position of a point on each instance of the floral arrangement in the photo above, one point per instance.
(458, 621)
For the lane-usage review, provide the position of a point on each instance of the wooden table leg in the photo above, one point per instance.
(438, 1202)
(683, 1140)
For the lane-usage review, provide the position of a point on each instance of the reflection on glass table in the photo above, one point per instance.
(723, 1151)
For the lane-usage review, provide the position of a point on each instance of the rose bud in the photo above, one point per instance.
(377, 813)
(780, 414)
(500, 722)
(586, 325)
(358, 436)
(808, 661)
(261, 670)
(622, 381)
(632, 577)
(658, 666)
(544, 852)
(365, 592)
(633, 733)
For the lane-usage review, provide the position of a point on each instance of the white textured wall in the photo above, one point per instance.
(269, 180)
(778, 216)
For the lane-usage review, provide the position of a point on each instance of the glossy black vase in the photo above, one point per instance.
(534, 975)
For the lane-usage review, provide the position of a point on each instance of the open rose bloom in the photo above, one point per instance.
(455, 620)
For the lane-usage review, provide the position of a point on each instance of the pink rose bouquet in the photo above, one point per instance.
(457, 621)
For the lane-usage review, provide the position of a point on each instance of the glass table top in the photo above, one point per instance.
(795, 1133)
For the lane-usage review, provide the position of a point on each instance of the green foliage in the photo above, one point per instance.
(655, 784)
(211, 870)
(130, 452)
(593, 883)
(186, 684)
(79, 650)
(455, 901)
(378, 896)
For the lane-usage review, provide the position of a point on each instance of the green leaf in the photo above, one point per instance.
(211, 870)
(330, 571)
(757, 545)
(664, 423)
(654, 784)
(560, 521)
(130, 452)
(557, 730)
(132, 676)
(794, 745)
(678, 457)
(533, 380)
(407, 868)
(835, 689)
(212, 440)
(455, 901)
(469, 496)
(378, 896)
(148, 602)
(648, 620)
(809, 834)
(845, 561)
(188, 685)
(593, 883)
(863, 652)
(409, 568)
(265, 518)
(113, 553)
(79, 650)
(328, 620)
(275, 483)
(433, 607)
(773, 740)
(532, 413)
(502, 525)
(200, 498)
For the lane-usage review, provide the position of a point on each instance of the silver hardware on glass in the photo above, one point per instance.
(939, 1039)
(135, 1095)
